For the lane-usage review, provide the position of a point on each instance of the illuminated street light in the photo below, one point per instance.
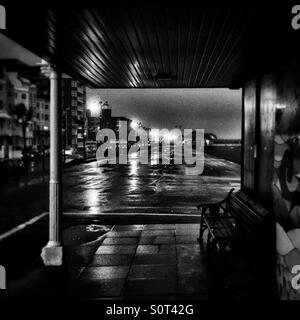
(134, 124)
(170, 136)
(94, 107)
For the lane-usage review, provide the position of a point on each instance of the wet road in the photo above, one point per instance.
(122, 188)
(146, 188)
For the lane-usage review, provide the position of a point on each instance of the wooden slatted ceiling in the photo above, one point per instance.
(130, 46)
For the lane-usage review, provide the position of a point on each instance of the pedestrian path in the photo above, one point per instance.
(147, 261)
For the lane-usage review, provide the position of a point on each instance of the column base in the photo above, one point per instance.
(52, 255)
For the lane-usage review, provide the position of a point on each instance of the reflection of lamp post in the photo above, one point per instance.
(65, 131)
(84, 150)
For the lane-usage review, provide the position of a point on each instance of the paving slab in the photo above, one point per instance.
(159, 227)
(152, 271)
(156, 248)
(151, 286)
(157, 240)
(90, 289)
(120, 234)
(187, 229)
(192, 270)
(115, 249)
(166, 232)
(188, 248)
(144, 259)
(111, 260)
(145, 262)
(184, 239)
(121, 240)
(147, 249)
(194, 285)
(107, 272)
(130, 227)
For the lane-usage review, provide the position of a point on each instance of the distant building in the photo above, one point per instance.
(20, 83)
(74, 109)
(74, 106)
(42, 123)
(93, 125)
(106, 120)
(14, 89)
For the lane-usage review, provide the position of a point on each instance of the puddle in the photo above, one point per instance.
(80, 234)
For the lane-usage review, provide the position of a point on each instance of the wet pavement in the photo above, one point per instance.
(137, 188)
(132, 188)
(151, 261)
(131, 262)
(138, 262)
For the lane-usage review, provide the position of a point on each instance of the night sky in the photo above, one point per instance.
(215, 110)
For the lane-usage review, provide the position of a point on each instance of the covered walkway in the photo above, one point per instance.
(189, 46)
(162, 261)
(139, 262)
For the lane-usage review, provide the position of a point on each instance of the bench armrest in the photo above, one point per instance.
(214, 206)
(208, 205)
(211, 208)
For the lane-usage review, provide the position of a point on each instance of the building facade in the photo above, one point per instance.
(42, 124)
(15, 90)
(21, 84)
(74, 106)
(73, 103)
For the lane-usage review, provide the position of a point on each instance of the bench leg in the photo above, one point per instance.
(208, 244)
(202, 228)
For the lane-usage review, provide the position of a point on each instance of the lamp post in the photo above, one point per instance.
(52, 253)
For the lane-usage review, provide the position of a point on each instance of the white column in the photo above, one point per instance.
(52, 254)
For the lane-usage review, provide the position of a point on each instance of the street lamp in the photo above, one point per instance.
(134, 124)
(94, 107)
(170, 136)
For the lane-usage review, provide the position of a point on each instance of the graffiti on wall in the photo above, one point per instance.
(286, 192)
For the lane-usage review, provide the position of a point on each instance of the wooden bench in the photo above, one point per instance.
(231, 223)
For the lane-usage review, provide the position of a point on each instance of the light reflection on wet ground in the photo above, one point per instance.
(145, 188)
(120, 188)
